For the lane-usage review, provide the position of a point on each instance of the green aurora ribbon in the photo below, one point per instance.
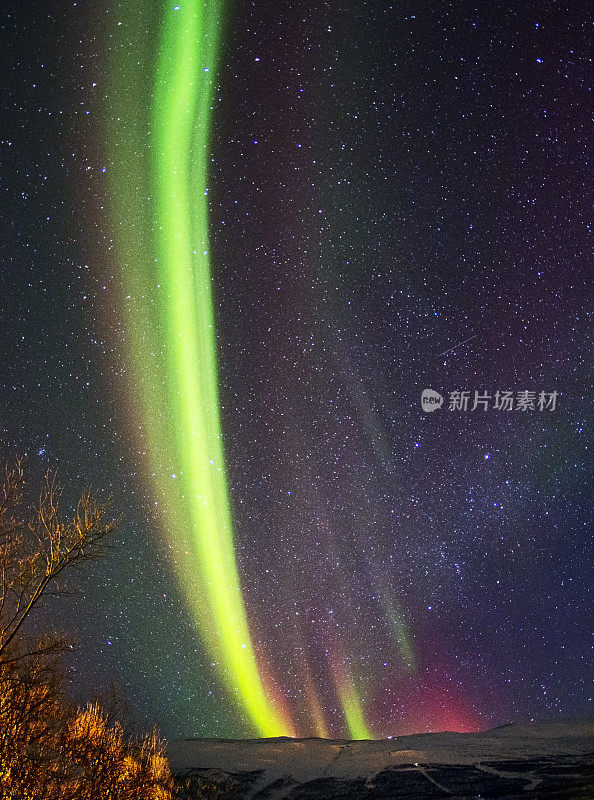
(159, 198)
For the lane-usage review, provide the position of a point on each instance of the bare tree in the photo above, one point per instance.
(49, 748)
(38, 549)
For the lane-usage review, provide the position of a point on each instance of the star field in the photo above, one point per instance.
(396, 200)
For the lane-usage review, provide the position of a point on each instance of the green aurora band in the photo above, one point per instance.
(165, 272)
(159, 104)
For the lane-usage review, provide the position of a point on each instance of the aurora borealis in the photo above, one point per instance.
(170, 307)
(241, 241)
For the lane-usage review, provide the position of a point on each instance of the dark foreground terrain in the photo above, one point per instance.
(513, 761)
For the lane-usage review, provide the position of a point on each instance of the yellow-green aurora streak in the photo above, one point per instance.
(159, 111)
(170, 326)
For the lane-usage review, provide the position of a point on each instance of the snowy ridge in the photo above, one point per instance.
(519, 757)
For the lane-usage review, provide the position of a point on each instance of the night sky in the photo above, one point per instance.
(238, 242)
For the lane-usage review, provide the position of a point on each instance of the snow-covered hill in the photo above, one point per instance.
(520, 760)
